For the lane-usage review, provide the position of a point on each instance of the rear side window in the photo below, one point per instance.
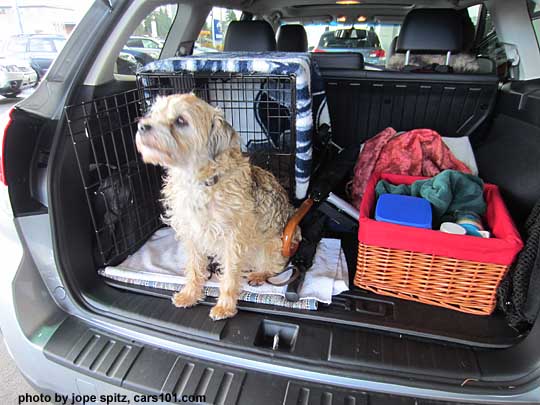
(153, 30)
(213, 32)
(487, 44)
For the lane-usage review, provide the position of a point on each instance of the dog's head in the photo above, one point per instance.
(182, 130)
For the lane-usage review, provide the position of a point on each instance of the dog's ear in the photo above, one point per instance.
(222, 136)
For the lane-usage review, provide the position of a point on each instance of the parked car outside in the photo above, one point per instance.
(363, 41)
(39, 50)
(15, 76)
(144, 44)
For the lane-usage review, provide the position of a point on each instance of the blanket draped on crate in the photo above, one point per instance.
(272, 63)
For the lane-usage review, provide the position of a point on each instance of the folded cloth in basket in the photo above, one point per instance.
(159, 263)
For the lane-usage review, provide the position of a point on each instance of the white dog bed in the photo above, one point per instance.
(159, 263)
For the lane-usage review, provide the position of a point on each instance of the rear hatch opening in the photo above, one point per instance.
(359, 334)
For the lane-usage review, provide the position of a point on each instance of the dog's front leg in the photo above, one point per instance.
(195, 271)
(229, 283)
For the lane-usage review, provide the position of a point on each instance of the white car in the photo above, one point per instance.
(15, 76)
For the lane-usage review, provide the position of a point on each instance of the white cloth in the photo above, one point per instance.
(462, 149)
(162, 260)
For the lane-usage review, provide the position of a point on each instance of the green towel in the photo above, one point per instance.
(448, 192)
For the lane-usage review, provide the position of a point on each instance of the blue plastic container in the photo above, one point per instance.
(404, 210)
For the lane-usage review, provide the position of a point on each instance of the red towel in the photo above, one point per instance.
(420, 152)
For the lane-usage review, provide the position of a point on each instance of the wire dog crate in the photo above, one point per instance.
(123, 193)
(260, 107)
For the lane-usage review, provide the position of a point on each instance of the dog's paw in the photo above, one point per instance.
(222, 312)
(256, 279)
(183, 300)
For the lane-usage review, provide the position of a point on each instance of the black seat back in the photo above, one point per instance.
(362, 103)
(292, 38)
(249, 36)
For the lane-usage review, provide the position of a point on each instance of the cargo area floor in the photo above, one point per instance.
(366, 310)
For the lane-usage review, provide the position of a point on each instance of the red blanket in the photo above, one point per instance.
(420, 152)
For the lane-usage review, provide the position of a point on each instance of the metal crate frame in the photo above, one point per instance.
(123, 193)
(278, 154)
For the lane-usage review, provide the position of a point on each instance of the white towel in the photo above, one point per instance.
(160, 262)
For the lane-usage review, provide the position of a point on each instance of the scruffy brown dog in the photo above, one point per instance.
(219, 204)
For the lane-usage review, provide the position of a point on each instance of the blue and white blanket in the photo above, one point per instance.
(273, 63)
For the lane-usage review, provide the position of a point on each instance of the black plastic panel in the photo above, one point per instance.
(149, 370)
(361, 108)
(356, 308)
(509, 156)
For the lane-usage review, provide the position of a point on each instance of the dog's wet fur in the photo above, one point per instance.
(219, 204)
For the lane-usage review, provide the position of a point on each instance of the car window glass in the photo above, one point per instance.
(156, 27)
(41, 45)
(372, 39)
(148, 43)
(59, 44)
(135, 43)
(534, 10)
(488, 45)
(214, 29)
(16, 45)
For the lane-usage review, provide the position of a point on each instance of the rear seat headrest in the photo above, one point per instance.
(292, 38)
(254, 36)
(431, 31)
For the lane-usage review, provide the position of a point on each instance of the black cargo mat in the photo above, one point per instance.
(363, 309)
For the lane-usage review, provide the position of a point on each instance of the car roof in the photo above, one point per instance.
(383, 11)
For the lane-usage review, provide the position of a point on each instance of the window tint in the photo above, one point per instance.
(214, 29)
(156, 27)
(135, 43)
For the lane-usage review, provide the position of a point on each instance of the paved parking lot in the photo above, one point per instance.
(13, 383)
(7, 103)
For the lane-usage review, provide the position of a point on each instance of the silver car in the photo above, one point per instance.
(78, 337)
(15, 76)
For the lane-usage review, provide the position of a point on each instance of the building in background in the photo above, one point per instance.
(40, 17)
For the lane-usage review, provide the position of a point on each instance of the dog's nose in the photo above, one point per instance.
(144, 127)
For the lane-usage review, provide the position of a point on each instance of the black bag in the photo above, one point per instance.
(519, 292)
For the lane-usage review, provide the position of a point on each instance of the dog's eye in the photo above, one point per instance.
(181, 121)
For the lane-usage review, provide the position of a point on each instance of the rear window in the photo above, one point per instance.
(41, 45)
(373, 40)
(146, 42)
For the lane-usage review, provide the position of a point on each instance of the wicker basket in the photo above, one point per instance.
(451, 271)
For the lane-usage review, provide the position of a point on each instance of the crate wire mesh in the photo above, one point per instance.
(123, 193)
(260, 107)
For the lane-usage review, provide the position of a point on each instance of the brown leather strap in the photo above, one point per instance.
(289, 246)
(295, 274)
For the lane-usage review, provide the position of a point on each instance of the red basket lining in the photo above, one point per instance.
(501, 248)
